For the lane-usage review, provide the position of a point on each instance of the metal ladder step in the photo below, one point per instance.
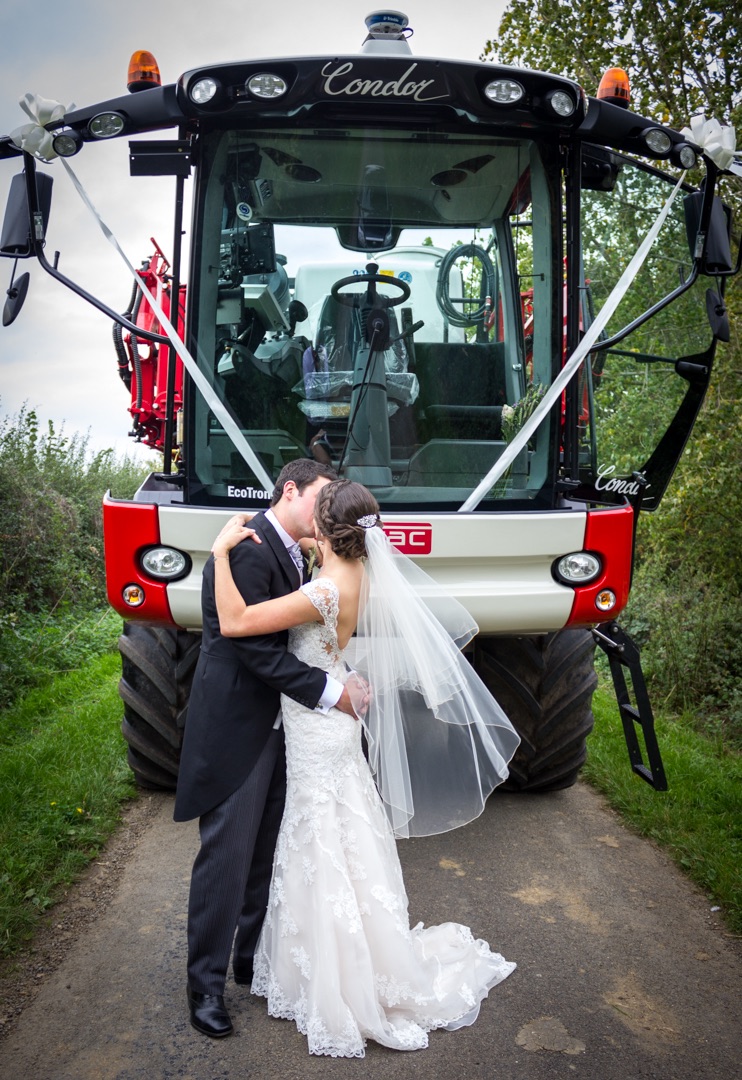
(623, 655)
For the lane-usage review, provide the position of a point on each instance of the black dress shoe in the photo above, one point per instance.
(243, 974)
(208, 1014)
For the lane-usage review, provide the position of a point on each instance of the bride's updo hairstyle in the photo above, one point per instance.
(344, 511)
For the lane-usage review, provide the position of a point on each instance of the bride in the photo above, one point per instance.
(336, 953)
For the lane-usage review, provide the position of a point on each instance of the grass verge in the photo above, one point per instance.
(63, 777)
(698, 821)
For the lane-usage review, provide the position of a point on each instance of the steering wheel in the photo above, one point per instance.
(355, 299)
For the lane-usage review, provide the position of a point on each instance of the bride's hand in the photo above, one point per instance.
(358, 694)
(234, 532)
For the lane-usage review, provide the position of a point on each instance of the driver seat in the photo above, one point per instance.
(339, 338)
(340, 333)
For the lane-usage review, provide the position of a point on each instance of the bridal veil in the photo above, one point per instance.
(438, 742)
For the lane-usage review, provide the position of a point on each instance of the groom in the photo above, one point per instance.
(233, 768)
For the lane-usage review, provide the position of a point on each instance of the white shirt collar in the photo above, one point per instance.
(288, 541)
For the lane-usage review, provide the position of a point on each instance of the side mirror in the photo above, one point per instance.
(19, 228)
(717, 314)
(16, 296)
(716, 252)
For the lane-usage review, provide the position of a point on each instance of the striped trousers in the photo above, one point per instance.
(232, 871)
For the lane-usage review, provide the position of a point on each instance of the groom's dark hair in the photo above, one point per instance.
(303, 471)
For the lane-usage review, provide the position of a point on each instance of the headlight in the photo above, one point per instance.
(204, 91)
(266, 85)
(67, 142)
(687, 157)
(165, 563)
(106, 125)
(561, 102)
(578, 568)
(657, 140)
(504, 91)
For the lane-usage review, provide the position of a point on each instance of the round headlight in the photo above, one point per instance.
(106, 125)
(165, 563)
(266, 85)
(562, 103)
(658, 140)
(687, 157)
(504, 91)
(67, 143)
(203, 91)
(578, 568)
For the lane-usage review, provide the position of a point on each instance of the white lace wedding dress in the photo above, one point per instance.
(336, 953)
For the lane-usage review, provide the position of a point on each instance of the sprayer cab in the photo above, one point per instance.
(412, 269)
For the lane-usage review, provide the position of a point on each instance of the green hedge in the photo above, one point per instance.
(53, 611)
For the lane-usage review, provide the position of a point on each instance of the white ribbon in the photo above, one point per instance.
(33, 138)
(717, 141)
(199, 378)
(573, 363)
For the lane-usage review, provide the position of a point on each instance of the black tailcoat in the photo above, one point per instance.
(236, 690)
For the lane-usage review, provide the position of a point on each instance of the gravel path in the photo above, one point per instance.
(624, 970)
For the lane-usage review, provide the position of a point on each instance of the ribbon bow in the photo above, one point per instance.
(717, 141)
(33, 138)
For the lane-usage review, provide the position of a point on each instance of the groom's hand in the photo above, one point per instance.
(355, 698)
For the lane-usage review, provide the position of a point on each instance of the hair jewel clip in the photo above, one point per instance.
(368, 521)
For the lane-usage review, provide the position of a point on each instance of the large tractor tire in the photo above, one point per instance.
(157, 671)
(545, 685)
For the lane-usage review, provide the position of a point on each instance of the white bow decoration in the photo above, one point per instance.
(717, 141)
(33, 138)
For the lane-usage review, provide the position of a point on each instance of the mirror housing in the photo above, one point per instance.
(716, 253)
(717, 315)
(18, 235)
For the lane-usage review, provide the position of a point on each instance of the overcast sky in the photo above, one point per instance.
(58, 355)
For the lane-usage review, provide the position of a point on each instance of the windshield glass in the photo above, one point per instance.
(359, 298)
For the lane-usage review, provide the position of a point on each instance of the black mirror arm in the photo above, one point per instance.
(608, 343)
(8, 148)
(147, 335)
(37, 245)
